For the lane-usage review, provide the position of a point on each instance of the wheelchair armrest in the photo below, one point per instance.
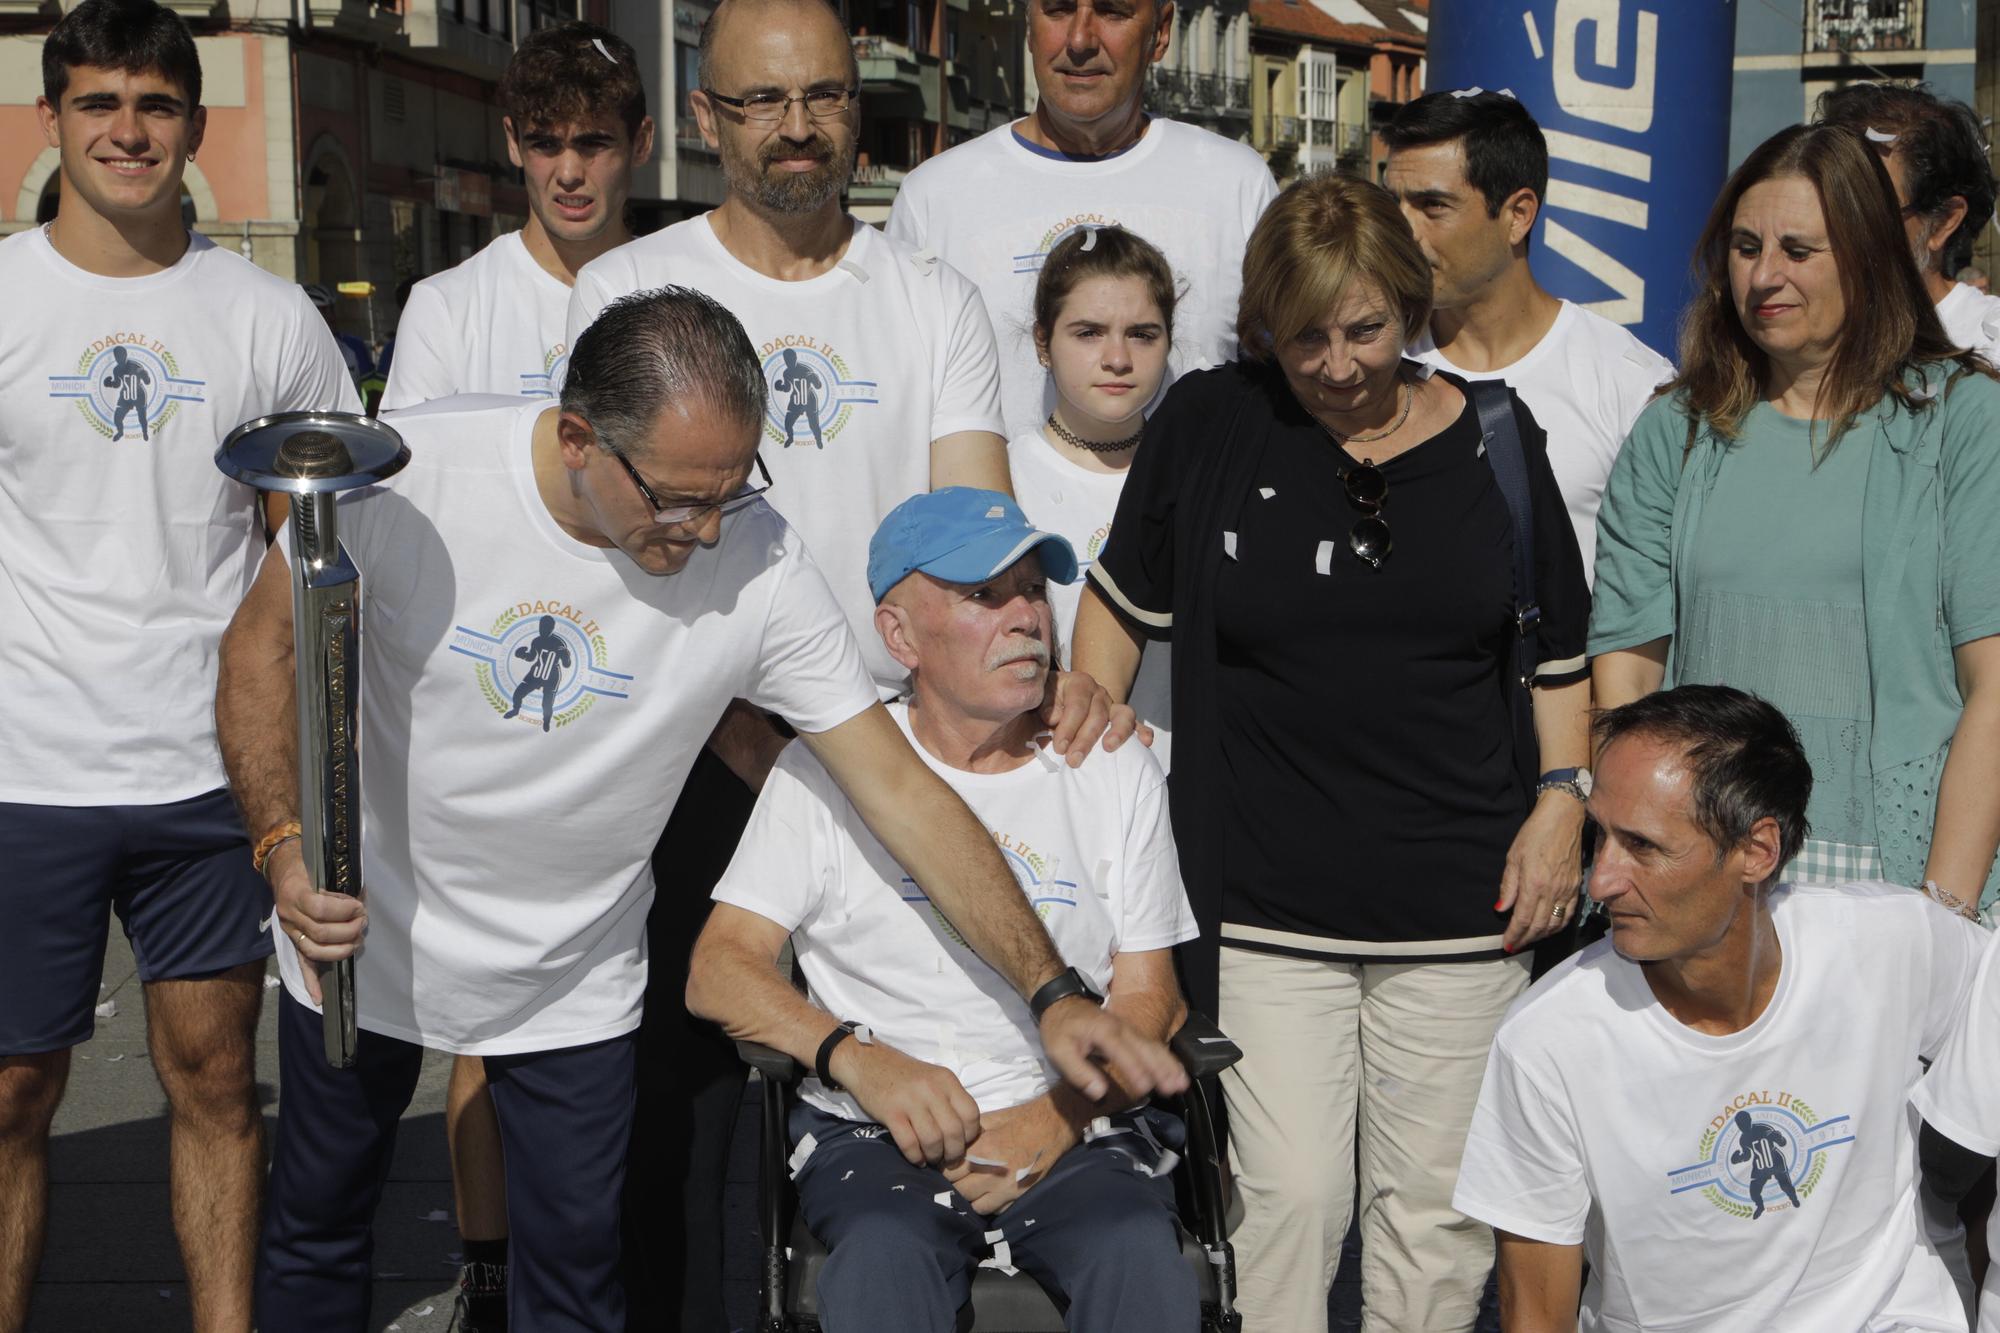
(772, 1064)
(1201, 1047)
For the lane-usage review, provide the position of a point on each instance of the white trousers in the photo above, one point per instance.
(1388, 1056)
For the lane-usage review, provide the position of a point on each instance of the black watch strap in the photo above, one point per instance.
(834, 1038)
(1064, 984)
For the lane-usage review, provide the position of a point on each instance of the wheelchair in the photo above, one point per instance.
(788, 1299)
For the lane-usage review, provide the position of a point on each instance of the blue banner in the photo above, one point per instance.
(1634, 98)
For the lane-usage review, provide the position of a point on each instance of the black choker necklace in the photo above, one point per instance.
(1070, 437)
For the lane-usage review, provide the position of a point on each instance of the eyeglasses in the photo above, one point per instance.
(770, 108)
(1368, 491)
(690, 515)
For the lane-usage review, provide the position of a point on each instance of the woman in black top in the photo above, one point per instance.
(1318, 532)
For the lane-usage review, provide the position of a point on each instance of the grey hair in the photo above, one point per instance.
(653, 349)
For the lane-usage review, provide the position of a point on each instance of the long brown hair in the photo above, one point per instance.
(1100, 252)
(1891, 325)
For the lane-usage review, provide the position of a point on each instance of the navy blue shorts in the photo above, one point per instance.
(178, 876)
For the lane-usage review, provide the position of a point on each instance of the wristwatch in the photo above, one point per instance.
(1064, 984)
(1575, 781)
(841, 1032)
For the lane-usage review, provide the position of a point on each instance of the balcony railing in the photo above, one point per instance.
(1177, 92)
(1864, 25)
(1286, 131)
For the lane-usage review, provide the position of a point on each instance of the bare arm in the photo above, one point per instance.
(1545, 863)
(1968, 818)
(1617, 678)
(1105, 647)
(1146, 994)
(971, 458)
(1541, 1285)
(924, 825)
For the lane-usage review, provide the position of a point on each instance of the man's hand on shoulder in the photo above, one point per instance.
(1078, 712)
(923, 1106)
(1017, 1147)
(1096, 1051)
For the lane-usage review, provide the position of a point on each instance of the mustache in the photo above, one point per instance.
(816, 149)
(1027, 650)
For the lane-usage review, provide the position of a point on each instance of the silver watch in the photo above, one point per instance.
(1575, 781)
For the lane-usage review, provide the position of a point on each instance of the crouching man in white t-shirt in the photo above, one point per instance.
(985, 1152)
(613, 553)
(1710, 1106)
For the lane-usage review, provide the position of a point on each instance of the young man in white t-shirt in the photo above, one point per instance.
(878, 365)
(1935, 150)
(1089, 154)
(1471, 171)
(934, 1130)
(131, 348)
(574, 115)
(507, 864)
(1709, 1107)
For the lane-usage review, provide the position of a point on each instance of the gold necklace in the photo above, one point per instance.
(1409, 400)
(1070, 437)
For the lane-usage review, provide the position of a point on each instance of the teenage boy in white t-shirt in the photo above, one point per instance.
(980, 1133)
(1935, 150)
(1471, 172)
(130, 348)
(1710, 1106)
(1090, 155)
(574, 115)
(507, 864)
(878, 365)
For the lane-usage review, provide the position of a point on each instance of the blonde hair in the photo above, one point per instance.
(1323, 233)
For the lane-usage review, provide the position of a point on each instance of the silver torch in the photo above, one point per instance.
(312, 457)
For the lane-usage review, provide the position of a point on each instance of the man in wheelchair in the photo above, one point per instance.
(936, 1135)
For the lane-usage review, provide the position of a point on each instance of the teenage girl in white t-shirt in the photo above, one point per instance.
(1103, 326)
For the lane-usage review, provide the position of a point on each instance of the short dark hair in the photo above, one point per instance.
(1940, 139)
(1504, 147)
(652, 349)
(568, 73)
(1741, 752)
(1101, 252)
(137, 36)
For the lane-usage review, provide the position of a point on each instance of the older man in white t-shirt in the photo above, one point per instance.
(1471, 169)
(1090, 154)
(934, 1130)
(1710, 1106)
(506, 850)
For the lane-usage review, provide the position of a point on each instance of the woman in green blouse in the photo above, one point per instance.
(1811, 512)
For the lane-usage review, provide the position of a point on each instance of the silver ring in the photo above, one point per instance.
(1556, 913)
(301, 936)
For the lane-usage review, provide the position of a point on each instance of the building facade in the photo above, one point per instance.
(1205, 77)
(1325, 73)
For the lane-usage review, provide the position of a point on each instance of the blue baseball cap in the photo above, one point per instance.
(962, 535)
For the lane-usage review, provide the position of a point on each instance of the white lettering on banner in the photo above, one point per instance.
(1605, 157)
(1597, 203)
(1628, 108)
(1629, 306)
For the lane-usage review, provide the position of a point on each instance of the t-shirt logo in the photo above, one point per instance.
(813, 393)
(1763, 1151)
(1095, 544)
(1032, 261)
(545, 663)
(1034, 872)
(128, 385)
(547, 382)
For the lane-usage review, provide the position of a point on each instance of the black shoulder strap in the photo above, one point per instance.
(1502, 437)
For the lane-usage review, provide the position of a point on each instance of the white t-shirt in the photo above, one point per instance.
(1972, 319)
(1077, 504)
(1585, 381)
(1092, 848)
(506, 858)
(1959, 1098)
(868, 363)
(123, 551)
(994, 208)
(1603, 1121)
(493, 324)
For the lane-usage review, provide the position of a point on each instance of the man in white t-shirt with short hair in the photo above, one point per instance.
(574, 115)
(934, 1130)
(1709, 1107)
(131, 347)
(1089, 154)
(507, 864)
(1471, 170)
(1960, 1106)
(1936, 153)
